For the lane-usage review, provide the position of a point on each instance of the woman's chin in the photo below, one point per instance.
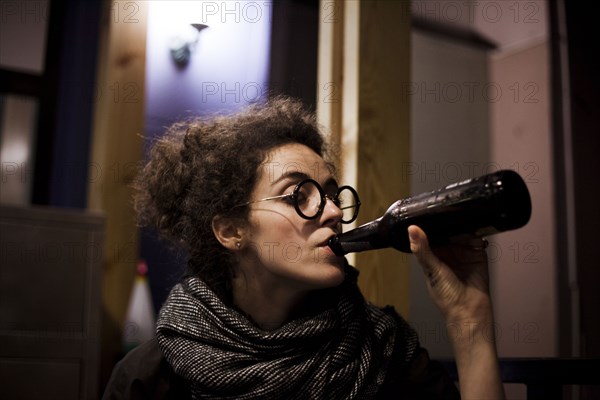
(331, 274)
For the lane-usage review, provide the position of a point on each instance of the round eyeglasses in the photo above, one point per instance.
(309, 198)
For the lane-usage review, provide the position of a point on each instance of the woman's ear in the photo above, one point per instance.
(228, 232)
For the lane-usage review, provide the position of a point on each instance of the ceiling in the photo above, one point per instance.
(511, 25)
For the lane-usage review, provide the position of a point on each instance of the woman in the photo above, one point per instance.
(267, 310)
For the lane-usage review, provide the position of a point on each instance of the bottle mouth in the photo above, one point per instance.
(327, 242)
(341, 249)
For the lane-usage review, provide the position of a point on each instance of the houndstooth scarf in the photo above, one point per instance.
(342, 352)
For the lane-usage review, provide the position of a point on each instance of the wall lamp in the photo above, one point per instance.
(182, 47)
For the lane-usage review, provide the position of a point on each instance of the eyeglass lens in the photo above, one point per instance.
(348, 203)
(310, 201)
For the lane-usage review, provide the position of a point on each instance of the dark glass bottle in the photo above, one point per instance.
(482, 206)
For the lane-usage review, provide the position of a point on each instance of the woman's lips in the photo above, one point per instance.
(325, 243)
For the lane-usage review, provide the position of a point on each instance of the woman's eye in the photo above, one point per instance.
(335, 198)
(337, 201)
(301, 197)
(289, 199)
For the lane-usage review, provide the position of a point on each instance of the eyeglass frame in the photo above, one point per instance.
(324, 197)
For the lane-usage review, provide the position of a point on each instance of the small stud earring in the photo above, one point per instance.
(238, 245)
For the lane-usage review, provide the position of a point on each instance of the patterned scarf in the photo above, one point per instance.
(342, 352)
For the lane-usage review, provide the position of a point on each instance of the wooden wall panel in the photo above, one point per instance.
(383, 140)
(374, 131)
(117, 150)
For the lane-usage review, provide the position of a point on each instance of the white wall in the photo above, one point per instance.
(506, 125)
(449, 142)
(523, 262)
(515, 133)
(228, 69)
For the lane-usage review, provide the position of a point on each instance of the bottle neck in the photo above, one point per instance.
(365, 237)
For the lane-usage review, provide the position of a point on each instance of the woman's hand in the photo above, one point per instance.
(458, 282)
(457, 275)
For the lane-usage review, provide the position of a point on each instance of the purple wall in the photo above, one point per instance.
(228, 69)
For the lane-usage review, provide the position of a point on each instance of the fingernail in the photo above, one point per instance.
(413, 235)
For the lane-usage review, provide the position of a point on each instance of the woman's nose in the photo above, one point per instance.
(331, 211)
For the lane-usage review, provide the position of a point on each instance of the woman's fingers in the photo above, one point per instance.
(454, 272)
(419, 245)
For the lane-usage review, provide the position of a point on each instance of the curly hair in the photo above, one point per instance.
(202, 168)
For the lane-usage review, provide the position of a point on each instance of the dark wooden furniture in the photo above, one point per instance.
(50, 265)
(544, 377)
